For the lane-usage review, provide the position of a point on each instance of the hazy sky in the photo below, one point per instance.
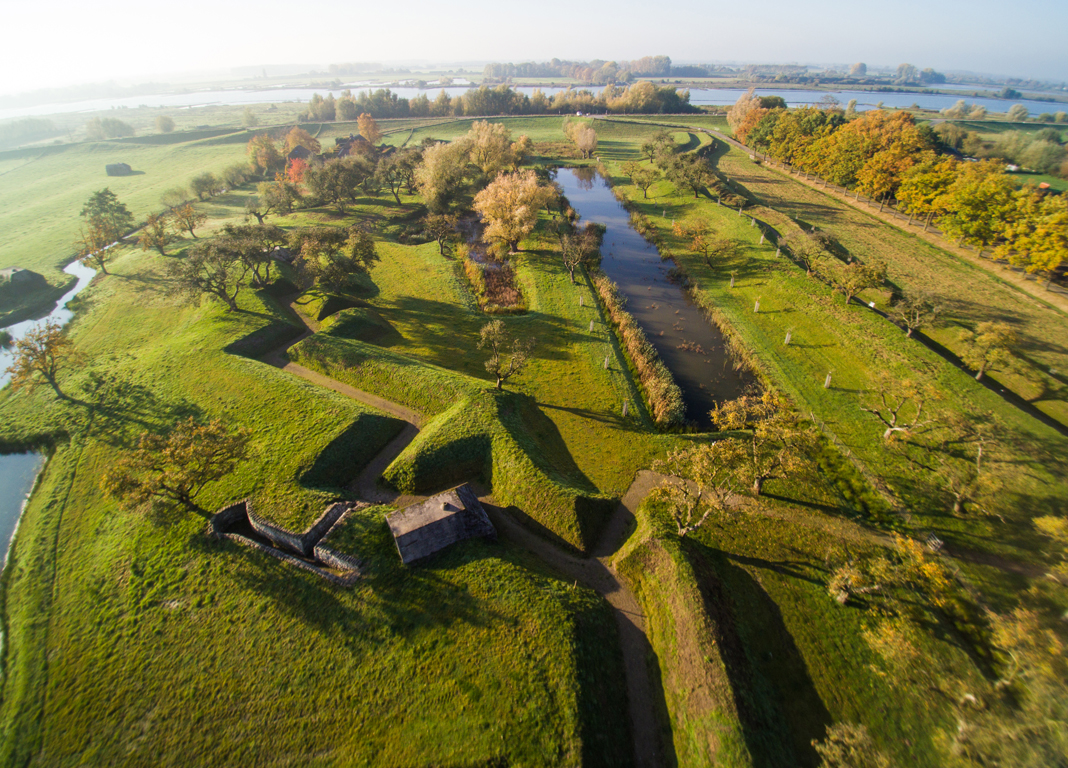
(52, 42)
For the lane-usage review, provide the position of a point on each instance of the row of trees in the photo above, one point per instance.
(886, 155)
(327, 257)
(484, 101)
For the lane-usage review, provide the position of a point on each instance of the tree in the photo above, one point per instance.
(279, 196)
(100, 128)
(164, 124)
(440, 177)
(508, 356)
(369, 128)
(254, 245)
(204, 185)
(700, 233)
(298, 137)
(709, 482)
(900, 409)
(332, 256)
(254, 207)
(491, 148)
(442, 227)
(156, 233)
(860, 69)
(337, 181)
(848, 745)
(1017, 114)
(659, 148)
(641, 177)
(806, 247)
(907, 73)
(916, 310)
(583, 136)
(249, 119)
(391, 172)
(580, 249)
(977, 203)
(509, 206)
(989, 346)
(39, 356)
(779, 444)
(850, 279)
(265, 153)
(689, 172)
(174, 197)
(1038, 239)
(189, 218)
(176, 468)
(106, 221)
(211, 268)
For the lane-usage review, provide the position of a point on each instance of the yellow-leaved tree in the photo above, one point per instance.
(509, 207)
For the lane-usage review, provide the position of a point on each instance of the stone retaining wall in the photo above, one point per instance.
(311, 543)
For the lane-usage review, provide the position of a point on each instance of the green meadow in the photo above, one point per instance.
(131, 636)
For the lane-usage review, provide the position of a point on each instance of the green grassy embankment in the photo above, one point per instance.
(132, 635)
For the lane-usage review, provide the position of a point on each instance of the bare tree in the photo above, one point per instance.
(709, 481)
(900, 409)
(915, 311)
(580, 249)
(508, 356)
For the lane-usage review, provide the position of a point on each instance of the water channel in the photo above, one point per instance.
(18, 471)
(691, 347)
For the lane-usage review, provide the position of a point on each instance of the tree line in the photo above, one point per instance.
(484, 101)
(887, 156)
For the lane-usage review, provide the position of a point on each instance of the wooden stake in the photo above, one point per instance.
(624, 409)
(591, 326)
(756, 306)
(787, 338)
(827, 381)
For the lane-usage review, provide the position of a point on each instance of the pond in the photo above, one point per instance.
(691, 347)
(18, 471)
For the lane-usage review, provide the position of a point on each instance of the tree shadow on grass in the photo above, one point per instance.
(779, 707)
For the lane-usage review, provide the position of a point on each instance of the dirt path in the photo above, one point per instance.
(594, 572)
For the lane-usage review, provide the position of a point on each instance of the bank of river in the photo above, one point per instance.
(691, 347)
(698, 96)
(19, 471)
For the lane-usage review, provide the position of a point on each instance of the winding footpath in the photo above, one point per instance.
(594, 572)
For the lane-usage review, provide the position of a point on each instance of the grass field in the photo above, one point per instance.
(459, 660)
(131, 636)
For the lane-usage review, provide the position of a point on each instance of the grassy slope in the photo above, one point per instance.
(822, 675)
(476, 657)
(863, 351)
(969, 293)
(40, 200)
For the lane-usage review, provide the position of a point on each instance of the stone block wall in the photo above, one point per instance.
(310, 544)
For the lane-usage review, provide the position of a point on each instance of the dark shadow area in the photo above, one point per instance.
(780, 710)
(339, 463)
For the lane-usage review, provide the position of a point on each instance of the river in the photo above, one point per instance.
(698, 96)
(691, 347)
(18, 471)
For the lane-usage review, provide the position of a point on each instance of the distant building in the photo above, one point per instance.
(118, 169)
(432, 525)
(299, 152)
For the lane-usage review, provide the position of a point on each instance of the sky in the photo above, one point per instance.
(53, 43)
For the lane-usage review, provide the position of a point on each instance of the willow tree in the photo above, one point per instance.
(509, 207)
